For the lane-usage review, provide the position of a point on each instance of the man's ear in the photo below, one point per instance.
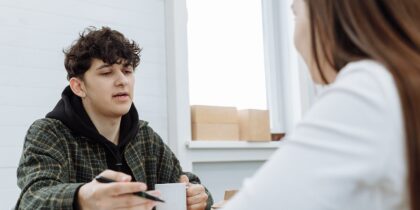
(78, 87)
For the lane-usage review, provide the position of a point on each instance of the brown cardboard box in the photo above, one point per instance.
(215, 131)
(254, 125)
(228, 195)
(213, 114)
(214, 123)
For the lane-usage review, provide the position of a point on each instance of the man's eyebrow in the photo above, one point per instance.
(103, 66)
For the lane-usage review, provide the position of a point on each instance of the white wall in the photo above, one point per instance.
(32, 75)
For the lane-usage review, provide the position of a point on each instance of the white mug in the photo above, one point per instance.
(174, 195)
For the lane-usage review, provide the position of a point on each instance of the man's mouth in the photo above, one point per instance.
(121, 94)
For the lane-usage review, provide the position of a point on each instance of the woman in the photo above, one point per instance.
(358, 147)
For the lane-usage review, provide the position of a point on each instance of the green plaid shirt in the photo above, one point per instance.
(55, 163)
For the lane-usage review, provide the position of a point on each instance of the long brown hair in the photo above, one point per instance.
(387, 31)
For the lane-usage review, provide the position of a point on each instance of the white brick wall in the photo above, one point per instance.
(32, 75)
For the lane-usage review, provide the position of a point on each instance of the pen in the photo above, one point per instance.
(103, 179)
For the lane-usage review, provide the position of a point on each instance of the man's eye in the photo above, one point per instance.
(128, 71)
(106, 73)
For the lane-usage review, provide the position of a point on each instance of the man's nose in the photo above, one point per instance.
(122, 79)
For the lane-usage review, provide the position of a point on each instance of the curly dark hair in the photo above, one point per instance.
(106, 44)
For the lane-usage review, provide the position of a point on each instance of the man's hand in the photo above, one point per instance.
(116, 195)
(196, 195)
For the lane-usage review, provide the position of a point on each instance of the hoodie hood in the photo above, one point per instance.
(70, 111)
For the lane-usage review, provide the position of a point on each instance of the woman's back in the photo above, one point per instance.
(347, 153)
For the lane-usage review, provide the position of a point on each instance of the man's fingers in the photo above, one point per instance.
(129, 201)
(155, 193)
(198, 206)
(119, 188)
(196, 197)
(195, 189)
(184, 179)
(116, 176)
(200, 198)
(145, 206)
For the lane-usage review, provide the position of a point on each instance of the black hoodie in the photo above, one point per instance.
(70, 111)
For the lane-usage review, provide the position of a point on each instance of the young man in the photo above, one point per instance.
(94, 130)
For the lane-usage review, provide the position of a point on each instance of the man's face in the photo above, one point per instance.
(108, 89)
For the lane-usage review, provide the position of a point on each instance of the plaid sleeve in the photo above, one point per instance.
(43, 171)
(169, 166)
(169, 169)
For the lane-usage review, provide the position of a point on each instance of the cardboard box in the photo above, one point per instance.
(213, 114)
(228, 195)
(254, 125)
(214, 123)
(215, 131)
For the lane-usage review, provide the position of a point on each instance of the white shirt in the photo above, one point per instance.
(347, 153)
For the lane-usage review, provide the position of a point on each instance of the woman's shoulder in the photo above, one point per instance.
(369, 81)
(366, 72)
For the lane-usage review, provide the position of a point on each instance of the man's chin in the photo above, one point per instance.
(123, 112)
(120, 111)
